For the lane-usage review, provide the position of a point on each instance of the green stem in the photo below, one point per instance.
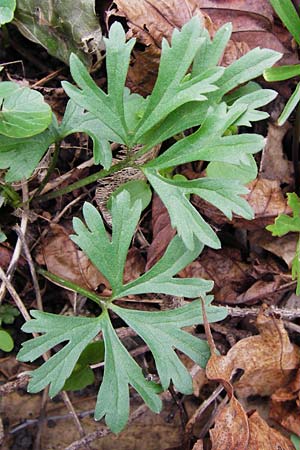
(295, 149)
(50, 170)
(11, 194)
(101, 301)
(85, 181)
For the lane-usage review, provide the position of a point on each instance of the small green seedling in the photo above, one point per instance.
(7, 316)
(285, 224)
(289, 16)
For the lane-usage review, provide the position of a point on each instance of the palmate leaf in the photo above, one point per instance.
(108, 108)
(208, 143)
(109, 256)
(162, 331)
(23, 111)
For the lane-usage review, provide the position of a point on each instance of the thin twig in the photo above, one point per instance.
(31, 267)
(17, 251)
(72, 412)
(285, 314)
(105, 431)
(20, 305)
(37, 442)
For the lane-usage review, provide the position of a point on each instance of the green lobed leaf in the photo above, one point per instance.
(296, 441)
(8, 314)
(7, 8)
(107, 255)
(211, 52)
(284, 223)
(249, 66)
(209, 144)
(76, 331)
(162, 333)
(23, 155)
(120, 370)
(6, 341)
(224, 194)
(138, 190)
(82, 374)
(289, 16)
(160, 278)
(23, 111)
(108, 108)
(290, 106)
(76, 120)
(243, 173)
(282, 73)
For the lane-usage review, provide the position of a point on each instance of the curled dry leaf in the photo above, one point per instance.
(285, 406)
(253, 23)
(162, 232)
(284, 247)
(274, 165)
(267, 201)
(231, 429)
(134, 266)
(268, 360)
(65, 260)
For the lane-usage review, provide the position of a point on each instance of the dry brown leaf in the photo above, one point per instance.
(134, 266)
(231, 429)
(65, 260)
(198, 445)
(267, 201)
(213, 264)
(285, 406)
(162, 232)
(274, 165)
(268, 360)
(284, 247)
(263, 437)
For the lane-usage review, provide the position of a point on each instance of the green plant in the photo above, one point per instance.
(7, 316)
(290, 17)
(285, 224)
(207, 98)
(7, 9)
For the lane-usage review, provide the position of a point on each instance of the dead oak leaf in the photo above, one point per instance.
(231, 429)
(268, 360)
(285, 406)
(263, 437)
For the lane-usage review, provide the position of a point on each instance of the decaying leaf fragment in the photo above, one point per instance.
(268, 360)
(285, 406)
(62, 28)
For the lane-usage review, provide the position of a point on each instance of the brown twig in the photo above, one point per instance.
(82, 443)
(285, 314)
(17, 251)
(31, 267)
(72, 412)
